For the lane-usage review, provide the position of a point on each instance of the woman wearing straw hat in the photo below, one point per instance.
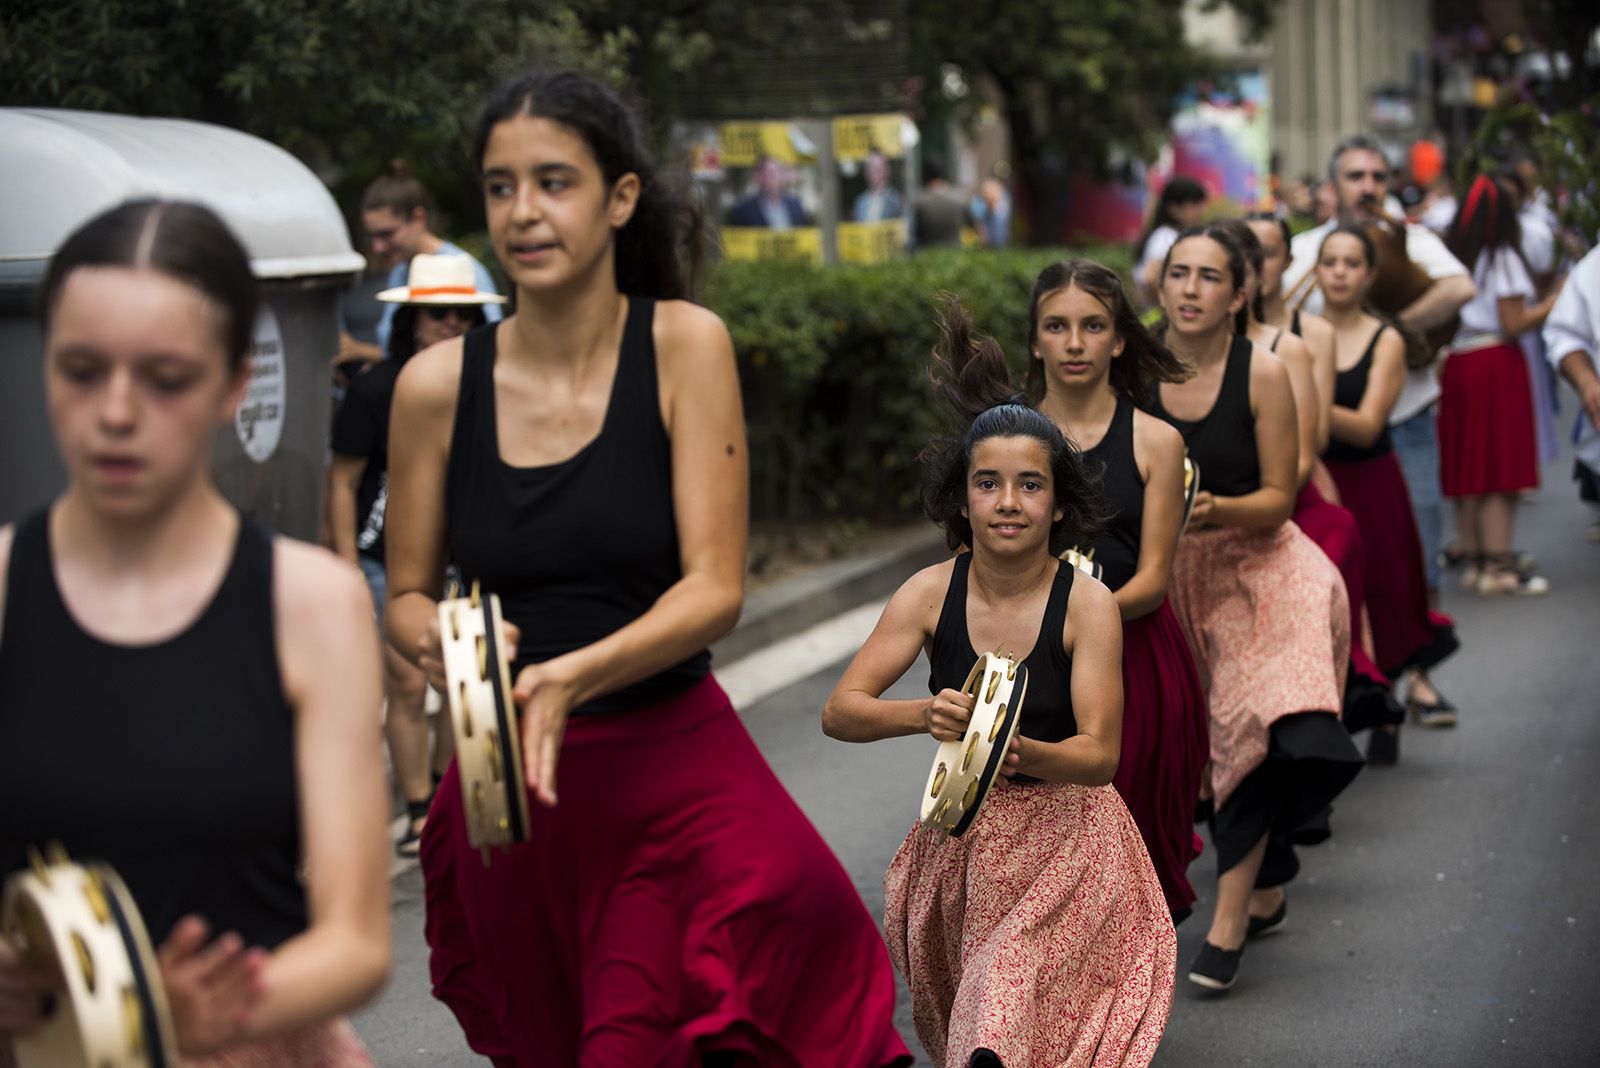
(442, 301)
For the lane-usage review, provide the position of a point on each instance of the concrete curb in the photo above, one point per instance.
(792, 606)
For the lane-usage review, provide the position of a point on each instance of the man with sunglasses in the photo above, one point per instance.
(1359, 172)
(442, 300)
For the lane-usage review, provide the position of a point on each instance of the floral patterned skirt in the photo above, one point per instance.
(328, 1045)
(1041, 934)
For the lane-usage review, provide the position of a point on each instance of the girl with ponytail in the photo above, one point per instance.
(1368, 701)
(990, 985)
(585, 461)
(1093, 364)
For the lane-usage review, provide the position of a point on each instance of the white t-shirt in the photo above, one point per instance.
(1440, 214)
(1538, 240)
(1162, 238)
(1498, 275)
(1574, 326)
(1421, 388)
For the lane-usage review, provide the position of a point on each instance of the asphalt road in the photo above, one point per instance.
(1452, 920)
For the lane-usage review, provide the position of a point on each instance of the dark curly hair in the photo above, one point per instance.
(1144, 361)
(971, 376)
(659, 251)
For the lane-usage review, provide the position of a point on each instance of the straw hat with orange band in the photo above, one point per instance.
(440, 280)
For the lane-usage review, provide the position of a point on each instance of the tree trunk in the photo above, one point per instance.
(1039, 190)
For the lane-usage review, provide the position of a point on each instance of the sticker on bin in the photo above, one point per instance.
(259, 420)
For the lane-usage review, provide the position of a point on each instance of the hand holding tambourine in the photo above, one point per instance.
(77, 926)
(484, 717)
(965, 767)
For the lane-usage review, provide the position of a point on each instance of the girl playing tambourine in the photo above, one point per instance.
(183, 694)
(1039, 936)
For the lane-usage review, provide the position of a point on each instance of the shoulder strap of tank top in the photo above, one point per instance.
(30, 580)
(475, 428)
(638, 389)
(248, 594)
(1372, 345)
(1054, 624)
(1236, 376)
(951, 630)
(1275, 339)
(1294, 324)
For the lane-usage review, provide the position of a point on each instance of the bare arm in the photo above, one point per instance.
(414, 524)
(329, 653)
(1324, 371)
(1277, 446)
(1093, 639)
(1517, 316)
(1443, 299)
(344, 477)
(1365, 425)
(1296, 361)
(1158, 451)
(1578, 369)
(854, 711)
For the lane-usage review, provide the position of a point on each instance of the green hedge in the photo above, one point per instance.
(834, 363)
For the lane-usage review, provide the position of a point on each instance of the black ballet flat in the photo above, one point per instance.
(1383, 748)
(1262, 926)
(1215, 968)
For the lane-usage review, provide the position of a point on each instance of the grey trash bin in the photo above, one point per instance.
(58, 169)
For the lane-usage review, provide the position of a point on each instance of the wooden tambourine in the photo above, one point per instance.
(1084, 561)
(964, 770)
(484, 718)
(1191, 489)
(81, 922)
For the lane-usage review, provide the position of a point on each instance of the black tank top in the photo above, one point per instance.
(173, 762)
(1047, 710)
(1348, 389)
(581, 548)
(1223, 441)
(1117, 550)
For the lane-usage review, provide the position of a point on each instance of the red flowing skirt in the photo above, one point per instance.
(1165, 745)
(677, 902)
(1487, 442)
(1405, 631)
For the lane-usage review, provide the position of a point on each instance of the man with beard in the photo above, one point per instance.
(1358, 170)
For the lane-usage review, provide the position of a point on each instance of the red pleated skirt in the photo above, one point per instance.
(1367, 701)
(1165, 745)
(677, 902)
(1405, 632)
(1487, 442)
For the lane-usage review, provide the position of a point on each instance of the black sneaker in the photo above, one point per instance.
(1215, 969)
(1262, 926)
(1383, 748)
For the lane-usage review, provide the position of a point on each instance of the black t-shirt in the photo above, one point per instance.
(361, 430)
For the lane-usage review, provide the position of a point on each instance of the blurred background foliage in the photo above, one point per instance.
(835, 364)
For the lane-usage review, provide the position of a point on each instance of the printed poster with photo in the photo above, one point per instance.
(769, 190)
(870, 151)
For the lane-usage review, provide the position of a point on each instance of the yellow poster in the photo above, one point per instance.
(872, 242)
(854, 136)
(744, 143)
(800, 245)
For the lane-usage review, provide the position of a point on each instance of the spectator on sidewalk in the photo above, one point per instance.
(397, 213)
(939, 212)
(441, 303)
